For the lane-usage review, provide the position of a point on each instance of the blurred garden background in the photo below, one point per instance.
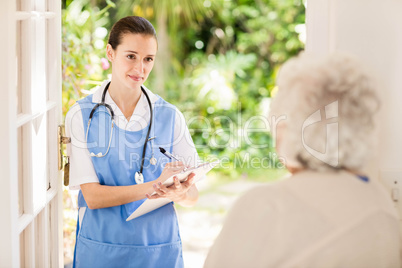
(217, 61)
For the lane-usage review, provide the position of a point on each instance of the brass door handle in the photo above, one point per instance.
(64, 161)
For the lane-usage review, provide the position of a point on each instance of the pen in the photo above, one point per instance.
(163, 151)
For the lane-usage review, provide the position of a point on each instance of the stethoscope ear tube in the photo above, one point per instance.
(102, 103)
(110, 109)
(149, 129)
(139, 178)
(110, 140)
(93, 111)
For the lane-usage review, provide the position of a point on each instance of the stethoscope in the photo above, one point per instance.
(139, 178)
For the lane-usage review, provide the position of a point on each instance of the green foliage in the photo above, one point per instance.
(84, 39)
(227, 80)
(180, 12)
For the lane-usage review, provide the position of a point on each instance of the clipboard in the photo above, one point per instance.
(152, 204)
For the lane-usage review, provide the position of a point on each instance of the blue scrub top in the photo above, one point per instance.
(105, 239)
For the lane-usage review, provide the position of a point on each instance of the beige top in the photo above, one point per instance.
(310, 220)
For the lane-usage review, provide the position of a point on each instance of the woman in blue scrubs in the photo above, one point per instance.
(105, 157)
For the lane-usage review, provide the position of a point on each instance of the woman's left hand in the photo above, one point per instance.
(176, 192)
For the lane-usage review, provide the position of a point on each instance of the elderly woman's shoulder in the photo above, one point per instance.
(278, 187)
(266, 194)
(309, 187)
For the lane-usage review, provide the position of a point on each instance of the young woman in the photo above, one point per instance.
(116, 163)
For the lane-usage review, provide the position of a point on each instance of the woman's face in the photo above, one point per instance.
(132, 60)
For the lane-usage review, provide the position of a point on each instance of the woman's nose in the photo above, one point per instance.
(139, 66)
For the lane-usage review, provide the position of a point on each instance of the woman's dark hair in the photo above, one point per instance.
(130, 24)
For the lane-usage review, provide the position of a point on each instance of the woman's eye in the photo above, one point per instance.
(149, 59)
(130, 57)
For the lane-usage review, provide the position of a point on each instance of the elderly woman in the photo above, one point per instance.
(328, 213)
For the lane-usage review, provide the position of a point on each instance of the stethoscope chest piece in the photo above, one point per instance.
(139, 178)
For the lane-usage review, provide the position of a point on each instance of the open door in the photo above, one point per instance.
(31, 192)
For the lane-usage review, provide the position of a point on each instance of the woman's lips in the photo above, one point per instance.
(135, 78)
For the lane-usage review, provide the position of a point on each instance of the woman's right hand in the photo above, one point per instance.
(171, 168)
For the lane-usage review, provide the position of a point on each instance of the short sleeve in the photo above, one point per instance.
(183, 145)
(81, 167)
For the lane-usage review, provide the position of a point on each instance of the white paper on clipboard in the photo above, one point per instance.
(152, 204)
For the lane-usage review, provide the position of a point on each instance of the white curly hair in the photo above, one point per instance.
(329, 106)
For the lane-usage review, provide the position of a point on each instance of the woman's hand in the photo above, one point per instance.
(170, 169)
(178, 192)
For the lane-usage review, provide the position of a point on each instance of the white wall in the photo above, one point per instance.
(371, 29)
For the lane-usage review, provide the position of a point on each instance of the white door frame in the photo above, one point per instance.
(31, 188)
(9, 245)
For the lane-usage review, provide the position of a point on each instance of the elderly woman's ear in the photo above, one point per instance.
(281, 148)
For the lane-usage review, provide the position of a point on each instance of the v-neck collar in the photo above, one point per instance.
(140, 111)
